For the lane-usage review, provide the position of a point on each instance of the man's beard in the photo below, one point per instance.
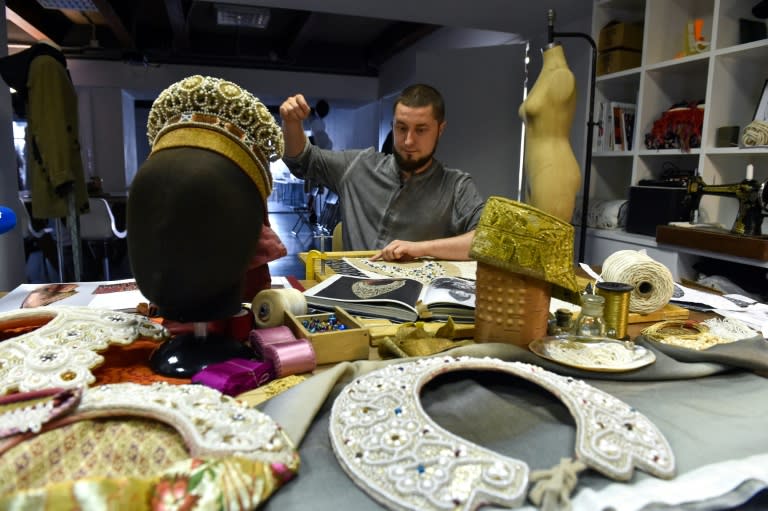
(410, 166)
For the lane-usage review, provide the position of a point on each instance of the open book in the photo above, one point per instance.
(396, 298)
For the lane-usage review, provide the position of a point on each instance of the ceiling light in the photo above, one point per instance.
(242, 16)
(75, 5)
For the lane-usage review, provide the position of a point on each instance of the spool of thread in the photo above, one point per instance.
(651, 281)
(291, 357)
(616, 311)
(270, 305)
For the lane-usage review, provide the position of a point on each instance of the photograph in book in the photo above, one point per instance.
(121, 295)
(399, 299)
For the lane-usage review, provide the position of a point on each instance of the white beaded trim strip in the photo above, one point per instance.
(62, 352)
(388, 445)
(211, 423)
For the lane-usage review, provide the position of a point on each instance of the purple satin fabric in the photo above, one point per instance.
(291, 357)
(235, 376)
(259, 338)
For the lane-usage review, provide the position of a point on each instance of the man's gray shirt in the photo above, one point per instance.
(377, 207)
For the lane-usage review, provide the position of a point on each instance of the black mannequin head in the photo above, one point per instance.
(194, 220)
(197, 206)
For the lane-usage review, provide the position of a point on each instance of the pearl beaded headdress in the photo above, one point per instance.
(214, 114)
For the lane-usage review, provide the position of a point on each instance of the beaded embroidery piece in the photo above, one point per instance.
(425, 271)
(212, 424)
(238, 456)
(24, 412)
(388, 445)
(62, 352)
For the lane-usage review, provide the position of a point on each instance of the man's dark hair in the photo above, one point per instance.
(420, 95)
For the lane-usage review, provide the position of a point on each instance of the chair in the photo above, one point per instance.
(28, 230)
(41, 257)
(331, 213)
(337, 244)
(98, 225)
(305, 213)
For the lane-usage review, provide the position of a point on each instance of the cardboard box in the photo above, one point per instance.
(336, 345)
(627, 36)
(617, 60)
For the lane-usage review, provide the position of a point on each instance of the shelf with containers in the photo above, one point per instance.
(724, 75)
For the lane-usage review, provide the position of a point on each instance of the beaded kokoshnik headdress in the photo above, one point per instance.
(218, 115)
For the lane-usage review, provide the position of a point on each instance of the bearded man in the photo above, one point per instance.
(405, 204)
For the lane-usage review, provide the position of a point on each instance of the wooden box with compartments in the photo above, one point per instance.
(350, 343)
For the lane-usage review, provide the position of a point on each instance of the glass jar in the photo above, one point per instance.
(563, 323)
(591, 322)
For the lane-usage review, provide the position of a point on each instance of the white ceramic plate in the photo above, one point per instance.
(593, 353)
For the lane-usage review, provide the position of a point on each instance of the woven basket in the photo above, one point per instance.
(510, 307)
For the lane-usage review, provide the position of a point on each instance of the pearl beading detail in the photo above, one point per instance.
(218, 104)
(387, 444)
(211, 423)
(62, 352)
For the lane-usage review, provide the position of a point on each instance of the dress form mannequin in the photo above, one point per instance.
(552, 172)
(196, 212)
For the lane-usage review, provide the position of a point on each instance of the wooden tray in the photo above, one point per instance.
(334, 346)
(668, 312)
(723, 242)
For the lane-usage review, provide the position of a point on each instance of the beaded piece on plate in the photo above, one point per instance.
(699, 335)
(388, 445)
(61, 352)
(212, 424)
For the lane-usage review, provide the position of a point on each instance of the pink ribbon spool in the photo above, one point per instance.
(291, 357)
(261, 337)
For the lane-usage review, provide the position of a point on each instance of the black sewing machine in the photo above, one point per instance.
(752, 197)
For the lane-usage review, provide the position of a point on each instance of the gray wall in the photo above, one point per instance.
(11, 243)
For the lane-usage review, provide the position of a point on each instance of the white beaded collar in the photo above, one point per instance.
(211, 423)
(388, 445)
(62, 352)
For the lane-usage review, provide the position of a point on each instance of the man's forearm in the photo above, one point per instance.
(295, 138)
(455, 248)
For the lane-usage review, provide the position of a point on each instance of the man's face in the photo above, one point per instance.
(415, 135)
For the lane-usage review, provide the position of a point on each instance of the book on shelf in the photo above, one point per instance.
(622, 125)
(396, 298)
(598, 135)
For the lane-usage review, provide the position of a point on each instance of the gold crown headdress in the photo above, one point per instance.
(198, 110)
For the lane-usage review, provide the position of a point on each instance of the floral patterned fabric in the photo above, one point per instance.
(136, 447)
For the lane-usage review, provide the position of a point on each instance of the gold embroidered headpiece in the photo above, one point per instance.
(519, 238)
(214, 114)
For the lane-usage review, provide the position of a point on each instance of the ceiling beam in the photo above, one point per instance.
(301, 36)
(115, 24)
(178, 21)
(25, 26)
